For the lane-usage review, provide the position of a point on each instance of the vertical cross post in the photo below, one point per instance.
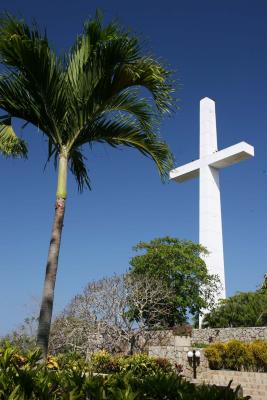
(207, 168)
(210, 220)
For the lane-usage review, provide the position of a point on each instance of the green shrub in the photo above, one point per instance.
(215, 354)
(259, 352)
(141, 365)
(164, 365)
(23, 377)
(71, 360)
(163, 386)
(103, 362)
(213, 392)
(200, 345)
(138, 365)
(173, 387)
(238, 355)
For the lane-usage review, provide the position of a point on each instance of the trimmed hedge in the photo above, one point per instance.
(138, 364)
(238, 356)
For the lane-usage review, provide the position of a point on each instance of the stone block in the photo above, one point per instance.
(224, 334)
(182, 341)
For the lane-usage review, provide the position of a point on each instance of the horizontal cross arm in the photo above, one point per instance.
(220, 159)
(231, 155)
(185, 172)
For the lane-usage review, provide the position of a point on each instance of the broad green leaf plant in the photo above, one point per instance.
(92, 93)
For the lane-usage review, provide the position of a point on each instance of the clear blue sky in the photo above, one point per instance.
(219, 49)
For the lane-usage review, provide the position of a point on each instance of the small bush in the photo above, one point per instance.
(138, 364)
(165, 366)
(259, 352)
(141, 365)
(105, 363)
(72, 361)
(215, 354)
(237, 355)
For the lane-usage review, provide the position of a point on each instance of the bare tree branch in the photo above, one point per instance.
(117, 313)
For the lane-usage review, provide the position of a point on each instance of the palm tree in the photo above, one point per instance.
(89, 94)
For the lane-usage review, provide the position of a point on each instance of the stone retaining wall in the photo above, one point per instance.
(165, 344)
(253, 383)
(175, 349)
(224, 334)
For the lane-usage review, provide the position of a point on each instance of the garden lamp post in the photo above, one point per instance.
(194, 361)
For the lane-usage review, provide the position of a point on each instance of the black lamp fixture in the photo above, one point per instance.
(194, 360)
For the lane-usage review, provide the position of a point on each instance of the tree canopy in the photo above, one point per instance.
(242, 309)
(89, 94)
(179, 266)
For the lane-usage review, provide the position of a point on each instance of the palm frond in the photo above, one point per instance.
(92, 93)
(91, 65)
(13, 30)
(30, 62)
(15, 99)
(148, 73)
(17, 102)
(124, 131)
(129, 101)
(10, 144)
(79, 170)
(99, 33)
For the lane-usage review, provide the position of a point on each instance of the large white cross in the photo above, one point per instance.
(207, 168)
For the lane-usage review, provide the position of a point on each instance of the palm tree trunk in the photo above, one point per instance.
(52, 261)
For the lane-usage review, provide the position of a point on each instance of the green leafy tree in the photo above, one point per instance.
(178, 264)
(89, 94)
(242, 309)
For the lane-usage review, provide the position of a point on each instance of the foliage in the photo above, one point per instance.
(10, 143)
(215, 354)
(112, 311)
(182, 330)
(142, 365)
(172, 387)
(242, 309)
(259, 354)
(89, 94)
(71, 360)
(178, 264)
(105, 89)
(264, 284)
(139, 365)
(25, 378)
(200, 345)
(103, 362)
(23, 337)
(164, 365)
(238, 355)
